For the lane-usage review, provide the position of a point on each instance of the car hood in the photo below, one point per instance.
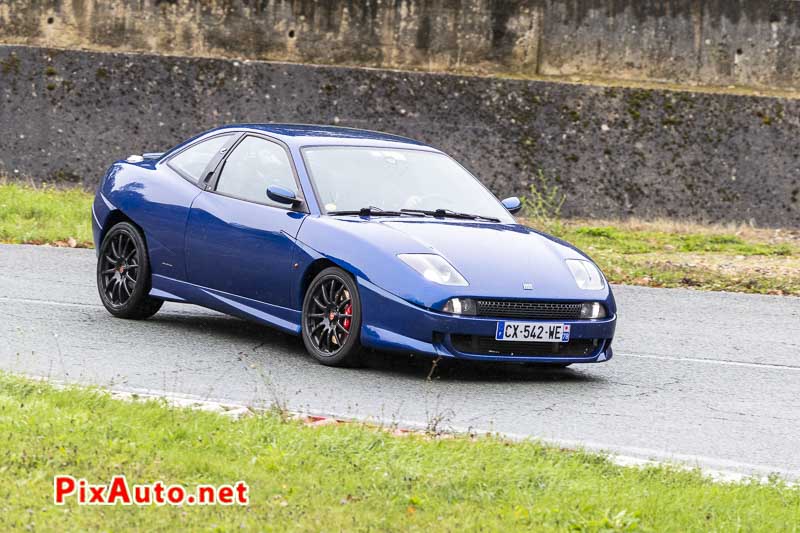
(497, 260)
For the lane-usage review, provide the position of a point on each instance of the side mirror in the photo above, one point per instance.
(513, 204)
(281, 195)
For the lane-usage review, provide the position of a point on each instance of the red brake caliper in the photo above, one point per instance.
(346, 321)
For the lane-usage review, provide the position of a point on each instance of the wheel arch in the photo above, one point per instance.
(313, 268)
(115, 217)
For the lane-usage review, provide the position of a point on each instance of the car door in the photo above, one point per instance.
(239, 241)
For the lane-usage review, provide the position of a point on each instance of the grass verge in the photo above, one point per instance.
(45, 215)
(659, 253)
(665, 253)
(344, 477)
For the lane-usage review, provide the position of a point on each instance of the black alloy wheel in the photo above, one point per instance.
(332, 318)
(120, 267)
(123, 274)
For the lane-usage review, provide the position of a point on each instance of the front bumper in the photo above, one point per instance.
(391, 323)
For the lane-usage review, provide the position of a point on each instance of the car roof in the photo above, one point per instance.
(299, 135)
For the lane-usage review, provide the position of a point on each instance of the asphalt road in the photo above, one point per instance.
(712, 379)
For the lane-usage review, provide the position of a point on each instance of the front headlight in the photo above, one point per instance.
(434, 268)
(593, 310)
(586, 275)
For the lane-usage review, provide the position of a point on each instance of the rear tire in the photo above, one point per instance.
(332, 319)
(123, 274)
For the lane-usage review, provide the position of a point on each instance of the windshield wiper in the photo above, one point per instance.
(447, 213)
(370, 211)
(373, 211)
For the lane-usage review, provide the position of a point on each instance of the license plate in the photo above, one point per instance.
(532, 332)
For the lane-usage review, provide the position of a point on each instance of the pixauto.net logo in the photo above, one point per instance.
(119, 492)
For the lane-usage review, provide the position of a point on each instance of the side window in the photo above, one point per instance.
(193, 161)
(254, 165)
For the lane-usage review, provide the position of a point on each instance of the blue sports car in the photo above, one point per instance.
(353, 239)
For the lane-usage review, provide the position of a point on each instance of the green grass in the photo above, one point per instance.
(666, 254)
(44, 215)
(343, 477)
(658, 254)
(613, 239)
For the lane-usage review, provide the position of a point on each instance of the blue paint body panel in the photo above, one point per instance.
(250, 260)
(242, 248)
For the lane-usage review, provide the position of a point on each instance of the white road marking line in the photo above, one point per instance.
(620, 455)
(46, 302)
(724, 362)
(171, 311)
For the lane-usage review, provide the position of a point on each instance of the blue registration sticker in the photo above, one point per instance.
(565, 333)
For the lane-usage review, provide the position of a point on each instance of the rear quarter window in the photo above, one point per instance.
(191, 162)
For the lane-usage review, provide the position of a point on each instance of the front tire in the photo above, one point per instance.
(332, 319)
(123, 274)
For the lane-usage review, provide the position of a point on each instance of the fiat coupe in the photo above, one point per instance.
(354, 240)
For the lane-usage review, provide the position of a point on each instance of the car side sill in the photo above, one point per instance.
(174, 290)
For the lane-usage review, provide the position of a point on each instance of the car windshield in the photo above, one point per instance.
(389, 179)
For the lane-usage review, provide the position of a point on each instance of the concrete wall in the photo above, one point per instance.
(713, 42)
(66, 115)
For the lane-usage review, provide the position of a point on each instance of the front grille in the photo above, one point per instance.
(489, 346)
(522, 309)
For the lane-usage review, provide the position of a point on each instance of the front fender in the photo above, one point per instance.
(367, 251)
